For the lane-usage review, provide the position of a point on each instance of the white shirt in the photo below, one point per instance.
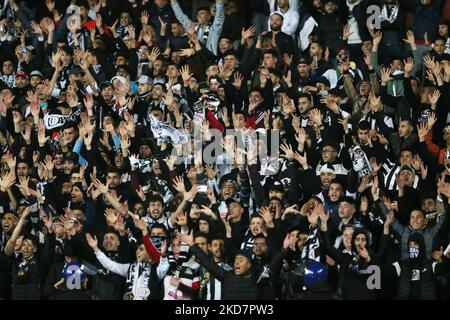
(290, 21)
(293, 4)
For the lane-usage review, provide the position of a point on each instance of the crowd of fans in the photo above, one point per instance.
(332, 176)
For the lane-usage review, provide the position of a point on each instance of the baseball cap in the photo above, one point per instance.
(231, 200)
(36, 73)
(327, 168)
(304, 60)
(21, 74)
(245, 253)
(277, 186)
(145, 80)
(407, 167)
(71, 156)
(105, 84)
(120, 78)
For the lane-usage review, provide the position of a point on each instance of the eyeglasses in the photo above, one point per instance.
(260, 245)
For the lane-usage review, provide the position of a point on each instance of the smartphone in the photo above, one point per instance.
(203, 189)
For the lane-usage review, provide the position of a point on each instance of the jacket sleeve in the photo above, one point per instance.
(151, 249)
(163, 267)
(179, 14)
(206, 262)
(118, 268)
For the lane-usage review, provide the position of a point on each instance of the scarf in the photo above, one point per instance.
(392, 14)
(203, 32)
(53, 121)
(311, 250)
(165, 133)
(137, 282)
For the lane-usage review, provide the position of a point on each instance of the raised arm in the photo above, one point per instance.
(9, 248)
(202, 258)
(179, 14)
(118, 268)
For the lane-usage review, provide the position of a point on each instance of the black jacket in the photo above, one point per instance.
(234, 287)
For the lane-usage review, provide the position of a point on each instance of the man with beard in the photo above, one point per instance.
(284, 42)
(179, 39)
(302, 75)
(9, 222)
(22, 85)
(210, 287)
(109, 286)
(208, 33)
(107, 102)
(145, 84)
(290, 17)
(155, 212)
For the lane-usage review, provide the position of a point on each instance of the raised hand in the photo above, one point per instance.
(264, 212)
(238, 78)
(111, 216)
(409, 65)
(302, 160)
(289, 241)
(364, 205)
(385, 75)
(288, 152)
(178, 184)
(247, 34)
(313, 216)
(92, 241)
(186, 238)
(7, 181)
(377, 36)
(422, 130)
(410, 38)
(434, 97)
(141, 225)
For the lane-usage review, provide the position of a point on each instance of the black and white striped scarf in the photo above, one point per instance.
(203, 32)
(311, 250)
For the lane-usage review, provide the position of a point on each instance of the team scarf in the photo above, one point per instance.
(53, 121)
(137, 281)
(165, 133)
(204, 34)
(393, 13)
(311, 250)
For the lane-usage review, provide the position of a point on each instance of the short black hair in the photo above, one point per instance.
(260, 236)
(201, 235)
(34, 240)
(124, 68)
(113, 169)
(440, 38)
(272, 52)
(305, 95)
(231, 52)
(68, 50)
(364, 125)
(156, 198)
(160, 226)
(215, 236)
